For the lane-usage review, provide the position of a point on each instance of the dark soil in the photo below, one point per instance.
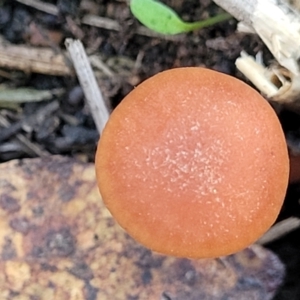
(67, 128)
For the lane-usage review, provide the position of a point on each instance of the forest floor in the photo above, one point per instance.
(63, 124)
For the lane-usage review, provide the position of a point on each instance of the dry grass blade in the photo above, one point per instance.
(22, 95)
(88, 83)
(279, 230)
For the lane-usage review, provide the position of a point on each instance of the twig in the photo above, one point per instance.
(30, 59)
(10, 147)
(88, 83)
(42, 6)
(279, 230)
(110, 24)
(98, 63)
(32, 149)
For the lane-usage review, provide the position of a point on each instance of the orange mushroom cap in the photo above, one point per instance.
(193, 163)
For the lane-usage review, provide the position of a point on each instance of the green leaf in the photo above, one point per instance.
(22, 95)
(162, 19)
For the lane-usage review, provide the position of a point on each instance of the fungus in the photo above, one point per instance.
(193, 163)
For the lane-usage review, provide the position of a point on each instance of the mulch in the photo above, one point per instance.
(125, 55)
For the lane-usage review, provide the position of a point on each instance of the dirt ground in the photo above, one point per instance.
(67, 128)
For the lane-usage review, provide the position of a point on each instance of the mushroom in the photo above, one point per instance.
(193, 163)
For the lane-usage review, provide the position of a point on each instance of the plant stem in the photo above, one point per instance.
(208, 22)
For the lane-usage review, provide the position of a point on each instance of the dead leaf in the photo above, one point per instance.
(58, 241)
(40, 36)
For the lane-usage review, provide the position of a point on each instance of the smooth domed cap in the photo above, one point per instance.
(193, 163)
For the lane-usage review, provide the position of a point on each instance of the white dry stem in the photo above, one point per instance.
(295, 4)
(279, 230)
(88, 83)
(278, 25)
(275, 82)
(256, 73)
